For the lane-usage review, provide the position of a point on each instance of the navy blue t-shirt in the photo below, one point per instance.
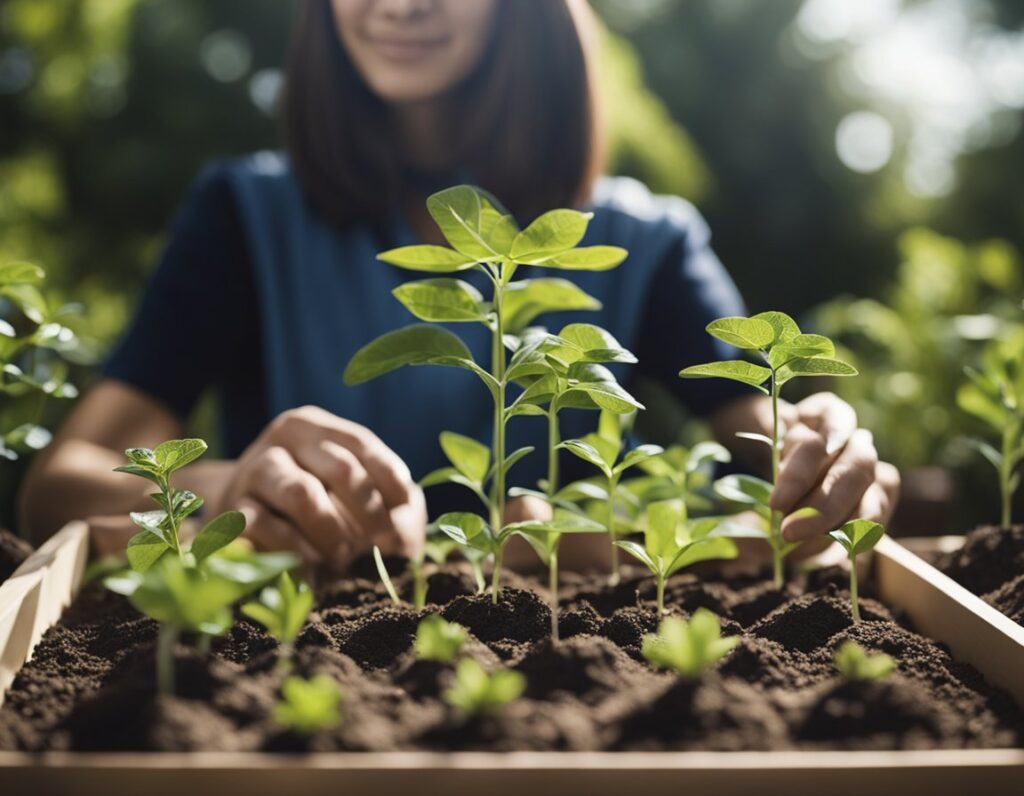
(258, 298)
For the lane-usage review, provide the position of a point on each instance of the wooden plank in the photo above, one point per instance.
(944, 610)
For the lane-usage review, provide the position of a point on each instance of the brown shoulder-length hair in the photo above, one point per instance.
(528, 125)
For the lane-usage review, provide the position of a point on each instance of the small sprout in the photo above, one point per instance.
(602, 449)
(309, 706)
(856, 665)
(787, 353)
(856, 537)
(672, 542)
(385, 578)
(995, 395)
(438, 640)
(477, 693)
(478, 540)
(688, 648)
(282, 609)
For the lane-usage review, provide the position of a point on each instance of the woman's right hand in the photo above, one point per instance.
(327, 488)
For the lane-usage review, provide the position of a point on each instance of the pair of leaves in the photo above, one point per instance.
(309, 706)
(438, 640)
(477, 693)
(688, 648)
(672, 541)
(156, 465)
(198, 598)
(603, 454)
(471, 464)
(856, 665)
(858, 536)
(149, 546)
(526, 299)
(282, 608)
(544, 535)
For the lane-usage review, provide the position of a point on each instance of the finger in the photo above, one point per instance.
(299, 497)
(526, 508)
(830, 416)
(805, 459)
(887, 477)
(269, 532)
(840, 492)
(874, 505)
(346, 478)
(409, 526)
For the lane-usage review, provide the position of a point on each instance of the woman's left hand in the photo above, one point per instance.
(831, 465)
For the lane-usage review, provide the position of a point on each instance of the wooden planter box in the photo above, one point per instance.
(33, 598)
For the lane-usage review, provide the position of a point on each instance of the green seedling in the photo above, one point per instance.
(545, 537)
(602, 450)
(672, 541)
(438, 640)
(995, 395)
(477, 693)
(385, 578)
(161, 528)
(787, 354)
(482, 236)
(195, 595)
(856, 665)
(680, 473)
(856, 537)
(282, 609)
(309, 706)
(688, 648)
(33, 344)
(479, 540)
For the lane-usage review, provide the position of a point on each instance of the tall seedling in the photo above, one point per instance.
(483, 237)
(995, 395)
(787, 354)
(856, 537)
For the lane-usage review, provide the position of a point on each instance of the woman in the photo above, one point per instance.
(269, 284)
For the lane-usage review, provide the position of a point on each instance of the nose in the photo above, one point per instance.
(406, 9)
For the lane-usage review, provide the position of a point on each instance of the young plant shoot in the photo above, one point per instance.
(282, 609)
(995, 395)
(309, 706)
(672, 541)
(477, 693)
(856, 537)
(438, 640)
(856, 665)
(192, 590)
(484, 237)
(787, 354)
(602, 450)
(688, 648)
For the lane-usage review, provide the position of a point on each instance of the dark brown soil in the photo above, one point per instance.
(13, 551)
(991, 564)
(90, 684)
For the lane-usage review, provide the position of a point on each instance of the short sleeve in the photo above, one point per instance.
(191, 322)
(689, 289)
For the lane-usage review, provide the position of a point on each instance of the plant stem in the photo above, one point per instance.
(853, 590)
(776, 521)
(496, 575)
(172, 519)
(1006, 475)
(661, 596)
(166, 640)
(553, 440)
(498, 452)
(553, 588)
(613, 578)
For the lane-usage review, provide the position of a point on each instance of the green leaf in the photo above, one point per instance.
(442, 300)
(688, 648)
(385, 578)
(594, 344)
(973, 400)
(587, 258)
(744, 489)
(412, 345)
(19, 273)
(511, 459)
(467, 529)
(29, 300)
(803, 345)
(715, 548)
(994, 457)
(282, 608)
(457, 212)
(815, 366)
(438, 640)
(747, 333)
(435, 259)
(525, 299)
(855, 664)
(639, 553)
(737, 370)
(154, 522)
(588, 453)
(785, 327)
(144, 549)
(552, 233)
(477, 693)
(469, 457)
(664, 520)
(139, 470)
(592, 385)
(176, 453)
(639, 454)
(217, 533)
(858, 536)
(309, 706)
(704, 452)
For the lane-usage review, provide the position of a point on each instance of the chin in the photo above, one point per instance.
(408, 88)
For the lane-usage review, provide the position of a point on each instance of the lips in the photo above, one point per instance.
(405, 49)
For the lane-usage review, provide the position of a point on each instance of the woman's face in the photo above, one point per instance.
(414, 50)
